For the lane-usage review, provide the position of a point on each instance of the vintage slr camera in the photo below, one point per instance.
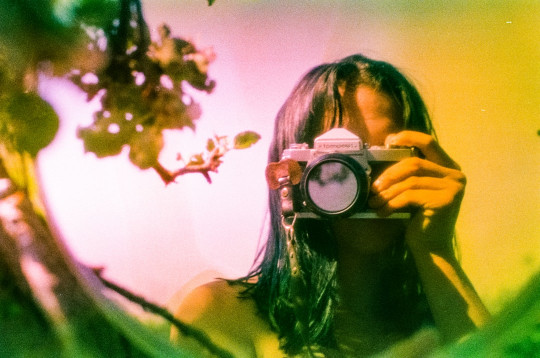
(337, 175)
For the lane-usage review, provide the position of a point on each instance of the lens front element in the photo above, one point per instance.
(335, 184)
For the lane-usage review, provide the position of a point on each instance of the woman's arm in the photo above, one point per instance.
(434, 186)
(454, 303)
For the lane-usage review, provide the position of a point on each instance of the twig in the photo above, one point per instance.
(211, 164)
(186, 329)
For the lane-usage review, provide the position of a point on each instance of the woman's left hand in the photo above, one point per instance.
(434, 186)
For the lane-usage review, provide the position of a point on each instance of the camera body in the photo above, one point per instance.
(336, 176)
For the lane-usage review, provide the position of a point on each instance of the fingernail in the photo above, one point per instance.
(376, 186)
(390, 139)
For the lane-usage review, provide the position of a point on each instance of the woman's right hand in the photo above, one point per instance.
(432, 186)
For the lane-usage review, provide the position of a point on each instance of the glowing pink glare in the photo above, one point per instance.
(102, 40)
(97, 35)
(89, 79)
(186, 99)
(113, 128)
(139, 78)
(166, 82)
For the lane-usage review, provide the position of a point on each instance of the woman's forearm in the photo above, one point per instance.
(455, 305)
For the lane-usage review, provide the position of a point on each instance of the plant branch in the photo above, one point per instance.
(210, 164)
(187, 330)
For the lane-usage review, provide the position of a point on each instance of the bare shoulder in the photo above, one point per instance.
(205, 299)
(230, 320)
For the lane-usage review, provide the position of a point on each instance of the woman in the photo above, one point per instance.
(363, 285)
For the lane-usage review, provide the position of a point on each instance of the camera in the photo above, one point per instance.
(336, 176)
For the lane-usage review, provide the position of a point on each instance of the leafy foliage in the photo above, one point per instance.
(141, 88)
(145, 89)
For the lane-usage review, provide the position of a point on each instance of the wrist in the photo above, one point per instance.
(428, 234)
(443, 247)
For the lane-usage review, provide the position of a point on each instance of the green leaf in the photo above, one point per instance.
(101, 143)
(98, 13)
(210, 2)
(210, 145)
(32, 123)
(145, 147)
(246, 139)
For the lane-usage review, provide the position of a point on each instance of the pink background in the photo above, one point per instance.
(475, 62)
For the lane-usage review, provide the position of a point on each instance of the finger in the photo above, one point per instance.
(411, 167)
(430, 201)
(411, 183)
(406, 200)
(427, 145)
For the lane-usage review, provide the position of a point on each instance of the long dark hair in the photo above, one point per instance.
(314, 106)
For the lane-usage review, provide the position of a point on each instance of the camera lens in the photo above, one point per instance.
(335, 184)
